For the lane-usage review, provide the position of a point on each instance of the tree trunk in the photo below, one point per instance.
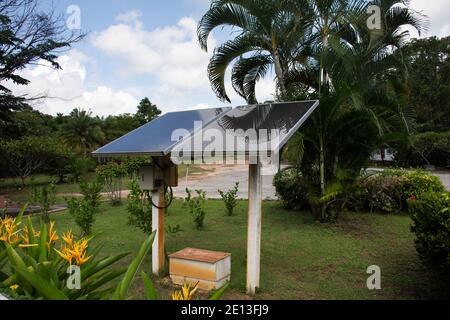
(323, 73)
(322, 169)
(22, 178)
(279, 71)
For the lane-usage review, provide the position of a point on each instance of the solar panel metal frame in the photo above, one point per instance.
(226, 111)
(161, 153)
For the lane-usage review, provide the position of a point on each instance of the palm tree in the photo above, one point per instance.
(361, 63)
(270, 32)
(337, 59)
(293, 37)
(82, 132)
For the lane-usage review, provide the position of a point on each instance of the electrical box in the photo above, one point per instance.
(153, 177)
(147, 178)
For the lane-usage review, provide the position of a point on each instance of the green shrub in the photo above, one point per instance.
(230, 198)
(430, 213)
(83, 210)
(291, 189)
(418, 182)
(139, 209)
(45, 198)
(388, 191)
(78, 166)
(381, 193)
(196, 206)
(112, 175)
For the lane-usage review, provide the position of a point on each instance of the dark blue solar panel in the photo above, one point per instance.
(279, 120)
(155, 138)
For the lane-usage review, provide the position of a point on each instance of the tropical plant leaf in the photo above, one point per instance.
(132, 270)
(150, 290)
(219, 293)
(43, 286)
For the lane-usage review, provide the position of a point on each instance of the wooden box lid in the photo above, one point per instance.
(200, 255)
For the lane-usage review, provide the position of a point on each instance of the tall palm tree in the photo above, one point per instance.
(82, 132)
(269, 33)
(293, 37)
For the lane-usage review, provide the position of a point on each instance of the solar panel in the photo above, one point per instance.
(258, 128)
(155, 138)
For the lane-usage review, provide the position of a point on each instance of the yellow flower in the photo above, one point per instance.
(66, 254)
(9, 230)
(68, 238)
(26, 238)
(186, 292)
(14, 287)
(74, 251)
(52, 235)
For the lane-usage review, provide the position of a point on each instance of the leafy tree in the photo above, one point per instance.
(77, 166)
(268, 33)
(27, 35)
(84, 210)
(425, 144)
(117, 126)
(147, 111)
(82, 132)
(27, 155)
(26, 122)
(45, 197)
(111, 174)
(428, 62)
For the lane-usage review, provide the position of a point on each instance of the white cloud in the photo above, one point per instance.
(438, 15)
(65, 89)
(170, 55)
(130, 16)
(172, 59)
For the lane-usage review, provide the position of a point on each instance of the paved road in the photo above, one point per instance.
(224, 177)
(445, 178)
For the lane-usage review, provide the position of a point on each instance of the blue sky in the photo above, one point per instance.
(139, 48)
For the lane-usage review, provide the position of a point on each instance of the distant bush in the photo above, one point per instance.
(139, 209)
(78, 166)
(428, 148)
(83, 210)
(112, 175)
(430, 213)
(389, 191)
(230, 198)
(381, 193)
(418, 182)
(291, 189)
(196, 206)
(45, 197)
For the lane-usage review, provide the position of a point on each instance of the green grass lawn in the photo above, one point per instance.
(300, 259)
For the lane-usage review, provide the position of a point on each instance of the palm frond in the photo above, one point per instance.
(246, 72)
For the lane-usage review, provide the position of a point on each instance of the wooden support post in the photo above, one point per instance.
(158, 226)
(254, 227)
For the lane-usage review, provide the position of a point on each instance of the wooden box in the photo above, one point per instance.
(210, 269)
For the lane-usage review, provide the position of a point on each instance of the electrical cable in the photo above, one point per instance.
(168, 204)
(166, 188)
